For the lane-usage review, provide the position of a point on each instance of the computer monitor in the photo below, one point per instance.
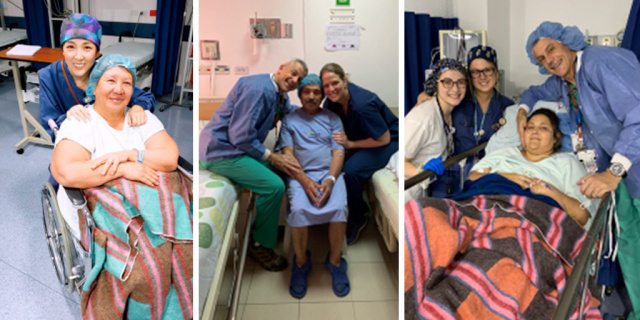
(451, 40)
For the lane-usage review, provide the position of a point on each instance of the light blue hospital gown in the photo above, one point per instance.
(311, 137)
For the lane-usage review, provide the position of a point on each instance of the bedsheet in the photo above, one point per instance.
(139, 52)
(8, 37)
(217, 195)
(488, 257)
(385, 188)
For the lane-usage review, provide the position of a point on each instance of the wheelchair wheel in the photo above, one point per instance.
(59, 240)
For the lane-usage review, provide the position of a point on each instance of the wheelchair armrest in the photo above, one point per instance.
(185, 165)
(77, 197)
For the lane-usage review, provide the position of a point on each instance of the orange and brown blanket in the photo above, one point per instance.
(488, 257)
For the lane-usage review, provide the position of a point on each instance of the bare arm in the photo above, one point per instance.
(568, 204)
(409, 169)
(477, 174)
(341, 138)
(310, 187)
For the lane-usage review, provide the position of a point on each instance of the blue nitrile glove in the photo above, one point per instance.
(434, 165)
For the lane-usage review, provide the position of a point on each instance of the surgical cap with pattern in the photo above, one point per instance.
(484, 52)
(570, 36)
(81, 26)
(105, 63)
(431, 85)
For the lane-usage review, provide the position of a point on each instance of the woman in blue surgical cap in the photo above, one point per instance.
(106, 147)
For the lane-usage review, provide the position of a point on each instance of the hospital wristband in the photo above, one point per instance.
(332, 178)
(140, 156)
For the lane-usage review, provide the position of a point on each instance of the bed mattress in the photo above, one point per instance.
(139, 53)
(385, 188)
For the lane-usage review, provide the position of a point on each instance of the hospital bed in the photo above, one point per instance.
(574, 298)
(219, 239)
(384, 201)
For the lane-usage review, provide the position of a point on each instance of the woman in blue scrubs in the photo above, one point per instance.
(63, 83)
(370, 138)
(475, 118)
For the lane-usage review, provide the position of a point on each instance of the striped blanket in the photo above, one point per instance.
(488, 257)
(142, 261)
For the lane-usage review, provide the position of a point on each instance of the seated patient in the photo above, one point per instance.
(317, 194)
(539, 167)
(142, 251)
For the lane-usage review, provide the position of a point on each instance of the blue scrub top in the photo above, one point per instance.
(608, 81)
(240, 126)
(367, 116)
(463, 121)
(56, 98)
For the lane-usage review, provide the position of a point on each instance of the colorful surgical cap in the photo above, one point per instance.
(105, 63)
(569, 36)
(431, 85)
(311, 78)
(484, 52)
(81, 26)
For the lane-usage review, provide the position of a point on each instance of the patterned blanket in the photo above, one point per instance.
(142, 260)
(488, 257)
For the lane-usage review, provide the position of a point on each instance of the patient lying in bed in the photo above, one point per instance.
(537, 169)
(505, 247)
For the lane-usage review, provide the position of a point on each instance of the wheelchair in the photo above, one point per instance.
(70, 260)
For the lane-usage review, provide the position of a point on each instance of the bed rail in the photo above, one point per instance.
(575, 286)
(447, 163)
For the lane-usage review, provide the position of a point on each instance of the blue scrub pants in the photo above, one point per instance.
(358, 167)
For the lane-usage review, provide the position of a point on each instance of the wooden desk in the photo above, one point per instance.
(39, 134)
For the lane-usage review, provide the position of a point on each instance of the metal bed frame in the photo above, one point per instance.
(578, 282)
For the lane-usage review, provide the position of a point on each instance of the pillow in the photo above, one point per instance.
(508, 134)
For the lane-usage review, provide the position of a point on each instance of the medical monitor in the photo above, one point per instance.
(451, 41)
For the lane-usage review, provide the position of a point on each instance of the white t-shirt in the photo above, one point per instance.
(99, 139)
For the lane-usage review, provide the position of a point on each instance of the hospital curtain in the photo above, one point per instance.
(631, 38)
(168, 25)
(37, 20)
(420, 37)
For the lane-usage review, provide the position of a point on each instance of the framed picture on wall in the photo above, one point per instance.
(209, 50)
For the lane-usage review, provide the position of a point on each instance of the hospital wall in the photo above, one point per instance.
(509, 23)
(374, 67)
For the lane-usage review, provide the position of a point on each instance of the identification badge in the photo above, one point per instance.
(577, 142)
(588, 159)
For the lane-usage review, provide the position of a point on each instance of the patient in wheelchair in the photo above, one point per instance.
(142, 244)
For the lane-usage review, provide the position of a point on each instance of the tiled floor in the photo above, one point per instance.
(30, 288)
(373, 273)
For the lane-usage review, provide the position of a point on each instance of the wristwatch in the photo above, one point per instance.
(617, 169)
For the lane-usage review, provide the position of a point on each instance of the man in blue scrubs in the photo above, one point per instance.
(601, 87)
(232, 145)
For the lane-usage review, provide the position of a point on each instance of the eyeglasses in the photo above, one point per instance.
(486, 72)
(448, 83)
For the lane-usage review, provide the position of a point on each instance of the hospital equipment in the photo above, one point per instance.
(455, 44)
(39, 135)
(585, 263)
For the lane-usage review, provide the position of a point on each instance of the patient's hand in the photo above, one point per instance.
(311, 188)
(110, 161)
(541, 187)
(136, 171)
(137, 116)
(522, 181)
(79, 112)
(325, 188)
(341, 138)
(521, 121)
